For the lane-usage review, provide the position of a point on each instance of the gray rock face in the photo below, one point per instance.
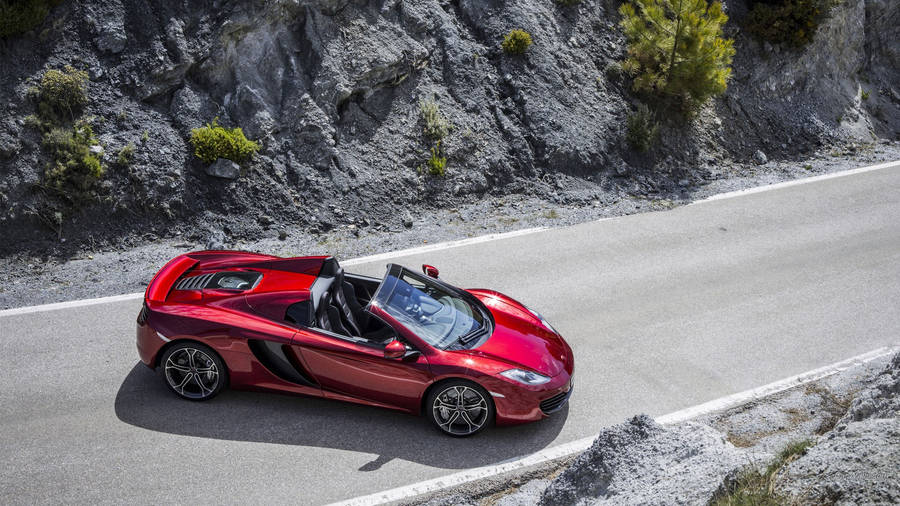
(640, 462)
(111, 37)
(110, 28)
(224, 168)
(331, 90)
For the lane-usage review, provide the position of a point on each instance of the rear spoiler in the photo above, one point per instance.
(159, 287)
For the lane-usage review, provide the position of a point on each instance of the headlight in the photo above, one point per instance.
(544, 322)
(526, 377)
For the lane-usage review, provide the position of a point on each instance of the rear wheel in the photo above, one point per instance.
(460, 408)
(193, 371)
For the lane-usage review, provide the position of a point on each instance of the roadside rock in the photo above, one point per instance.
(760, 158)
(881, 400)
(641, 462)
(856, 464)
(224, 168)
(216, 241)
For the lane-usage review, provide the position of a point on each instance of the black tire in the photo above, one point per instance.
(457, 419)
(193, 371)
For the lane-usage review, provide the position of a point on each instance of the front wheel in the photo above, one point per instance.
(460, 408)
(193, 371)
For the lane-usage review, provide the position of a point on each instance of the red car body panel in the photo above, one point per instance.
(238, 324)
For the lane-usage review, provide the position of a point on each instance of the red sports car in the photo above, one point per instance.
(410, 342)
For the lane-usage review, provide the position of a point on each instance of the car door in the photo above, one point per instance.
(344, 367)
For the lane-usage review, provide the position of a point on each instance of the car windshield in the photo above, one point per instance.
(430, 310)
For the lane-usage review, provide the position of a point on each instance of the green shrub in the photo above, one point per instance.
(20, 16)
(62, 94)
(864, 95)
(436, 165)
(125, 155)
(613, 71)
(213, 142)
(676, 48)
(74, 169)
(641, 129)
(516, 41)
(789, 22)
(436, 125)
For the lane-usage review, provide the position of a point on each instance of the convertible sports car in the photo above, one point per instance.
(410, 342)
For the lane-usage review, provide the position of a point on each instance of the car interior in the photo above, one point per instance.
(339, 303)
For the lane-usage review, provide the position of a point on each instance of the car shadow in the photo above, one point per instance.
(144, 401)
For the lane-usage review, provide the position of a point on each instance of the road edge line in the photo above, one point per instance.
(352, 261)
(568, 449)
(69, 303)
(796, 182)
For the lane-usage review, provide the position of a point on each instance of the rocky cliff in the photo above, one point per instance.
(331, 90)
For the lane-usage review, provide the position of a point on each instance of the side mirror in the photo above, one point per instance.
(395, 349)
(430, 271)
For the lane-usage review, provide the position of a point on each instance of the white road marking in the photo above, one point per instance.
(455, 244)
(548, 454)
(70, 303)
(440, 246)
(795, 182)
(353, 261)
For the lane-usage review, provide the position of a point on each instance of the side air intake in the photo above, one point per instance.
(272, 355)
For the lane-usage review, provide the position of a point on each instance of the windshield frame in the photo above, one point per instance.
(397, 271)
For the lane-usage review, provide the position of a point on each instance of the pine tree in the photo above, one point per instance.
(676, 48)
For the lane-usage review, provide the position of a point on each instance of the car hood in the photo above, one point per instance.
(520, 338)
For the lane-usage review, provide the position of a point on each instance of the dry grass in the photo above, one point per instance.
(757, 488)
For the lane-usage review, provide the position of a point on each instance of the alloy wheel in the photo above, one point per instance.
(460, 410)
(192, 373)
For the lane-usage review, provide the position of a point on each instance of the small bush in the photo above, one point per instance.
(74, 169)
(62, 94)
(516, 41)
(864, 95)
(641, 129)
(789, 22)
(436, 125)
(20, 16)
(436, 165)
(613, 71)
(125, 155)
(213, 142)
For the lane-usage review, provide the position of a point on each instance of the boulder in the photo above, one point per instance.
(224, 168)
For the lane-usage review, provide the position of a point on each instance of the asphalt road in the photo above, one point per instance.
(664, 310)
